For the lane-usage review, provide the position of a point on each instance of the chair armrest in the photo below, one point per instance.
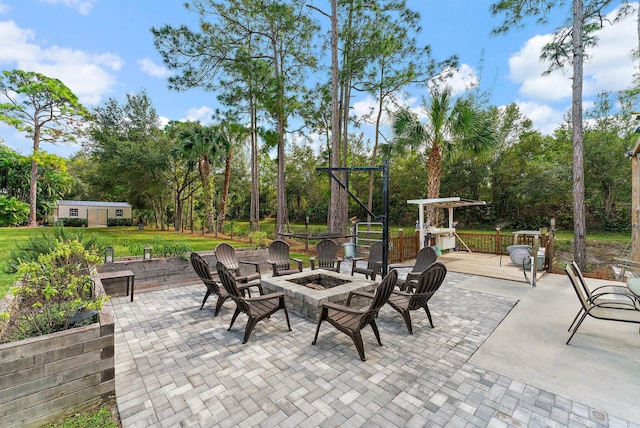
(265, 297)
(255, 264)
(299, 263)
(343, 308)
(361, 293)
(312, 260)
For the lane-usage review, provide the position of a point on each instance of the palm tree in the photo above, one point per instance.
(453, 126)
(204, 146)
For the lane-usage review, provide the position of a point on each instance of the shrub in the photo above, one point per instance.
(74, 221)
(12, 211)
(119, 221)
(45, 242)
(53, 290)
(258, 238)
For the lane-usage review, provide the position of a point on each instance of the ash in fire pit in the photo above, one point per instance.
(319, 281)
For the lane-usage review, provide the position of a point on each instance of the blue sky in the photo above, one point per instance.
(104, 49)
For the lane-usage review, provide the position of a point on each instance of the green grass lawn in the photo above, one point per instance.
(129, 241)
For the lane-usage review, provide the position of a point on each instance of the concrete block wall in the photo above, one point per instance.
(45, 378)
(174, 271)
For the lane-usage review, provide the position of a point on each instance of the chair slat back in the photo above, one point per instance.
(229, 284)
(381, 296)
(584, 300)
(425, 258)
(279, 253)
(226, 254)
(201, 267)
(428, 283)
(327, 253)
(375, 255)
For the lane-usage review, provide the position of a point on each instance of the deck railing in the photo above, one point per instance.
(405, 247)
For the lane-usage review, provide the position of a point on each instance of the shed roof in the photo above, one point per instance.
(95, 203)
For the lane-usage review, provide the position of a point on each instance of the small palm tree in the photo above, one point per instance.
(454, 126)
(204, 146)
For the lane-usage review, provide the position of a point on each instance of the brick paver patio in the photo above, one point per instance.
(179, 366)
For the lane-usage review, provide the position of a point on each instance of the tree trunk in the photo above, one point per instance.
(579, 221)
(434, 171)
(334, 201)
(225, 191)
(254, 210)
(33, 183)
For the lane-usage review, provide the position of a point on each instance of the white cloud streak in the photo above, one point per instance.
(89, 75)
(83, 7)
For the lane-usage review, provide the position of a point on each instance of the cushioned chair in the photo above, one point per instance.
(425, 258)
(226, 254)
(280, 260)
(256, 308)
(351, 320)
(622, 312)
(201, 267)
(327, 256)
(374, 262)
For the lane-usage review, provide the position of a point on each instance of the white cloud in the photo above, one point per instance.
(83, 7)
(462, 79)
(545, 118)
(202, 114)
(88, 75)
(608, 67)
(149, 67)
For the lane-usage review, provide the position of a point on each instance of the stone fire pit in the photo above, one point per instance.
(305, 291)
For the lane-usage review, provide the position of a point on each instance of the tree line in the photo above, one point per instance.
(188, 175)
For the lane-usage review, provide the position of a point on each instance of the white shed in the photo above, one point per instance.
(97, 213)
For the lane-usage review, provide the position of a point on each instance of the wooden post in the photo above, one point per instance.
(498, 242)
(401, 244)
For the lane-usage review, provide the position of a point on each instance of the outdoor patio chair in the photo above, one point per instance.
(280, 260)
(607, 295)
(351, 320)
(256, 308)
(374, 262)
(621, 312)
(327, 256)
(425, 258)
(201, 267)
(404, 302)
(226, 254)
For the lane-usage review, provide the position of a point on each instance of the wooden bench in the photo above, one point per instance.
(120, 274)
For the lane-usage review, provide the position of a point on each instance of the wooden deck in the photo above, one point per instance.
(480, 264)
(484, 265)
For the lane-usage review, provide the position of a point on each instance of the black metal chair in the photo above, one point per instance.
(622, 312)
